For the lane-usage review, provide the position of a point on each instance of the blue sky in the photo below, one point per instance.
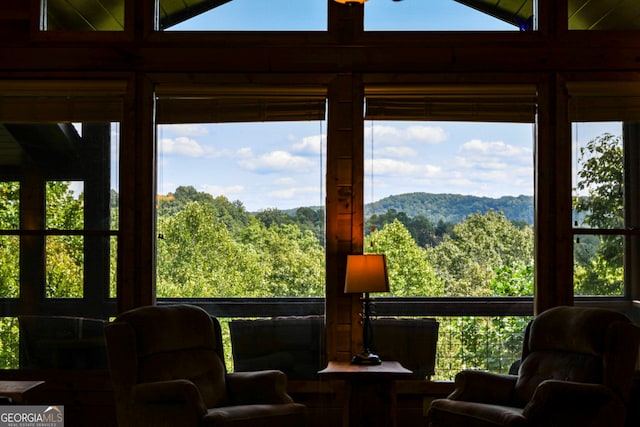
(281, 165)
(311, 15)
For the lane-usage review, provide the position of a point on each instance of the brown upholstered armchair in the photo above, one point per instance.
(167, 369)
(576, 369)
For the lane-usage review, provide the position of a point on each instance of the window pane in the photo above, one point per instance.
(598, 201)
(9, 343)
(451, 205)
(447, 15)
(598, 265)
(66, 164)
(65, 266)
(241, 210)
(9, 205)
(485, 343)
(62, 343)
(598, 175)
(9, 271)
(243, 15)
(604, 15)
(83, 15)
(113, 267)
(65, 205)
(9, 244)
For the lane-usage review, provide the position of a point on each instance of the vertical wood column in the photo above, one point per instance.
(136, 249)
(553, 233)
(32, 247)
(97, 197)
(631, 141)
(553, 228)
(345, 216)
(136, 244)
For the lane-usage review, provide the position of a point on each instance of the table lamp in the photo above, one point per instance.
(365, 274)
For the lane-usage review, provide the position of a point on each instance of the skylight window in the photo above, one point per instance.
(244, 15)
(445, 15)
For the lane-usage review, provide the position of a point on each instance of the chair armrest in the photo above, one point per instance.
(583, 401)
(257, 387)
(172, 391)
(164, 403)
(484, 387)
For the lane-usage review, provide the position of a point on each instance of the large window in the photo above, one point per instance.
(449, 15)
(241, 210)
(240, 219)
(243, 15)
(449, 190)
(605, 155)
(452, 206)
(58, 220)
(241, 193)
(603, 15)
(82, 15)
(598, 203)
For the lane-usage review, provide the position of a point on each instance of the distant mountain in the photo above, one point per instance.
(453, 208)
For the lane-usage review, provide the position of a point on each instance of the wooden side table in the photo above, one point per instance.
(16, 390)
(370, 394)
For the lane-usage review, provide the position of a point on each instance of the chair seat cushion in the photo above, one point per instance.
(453, 413)
(282, 415)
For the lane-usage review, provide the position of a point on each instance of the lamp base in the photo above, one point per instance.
(366, 358)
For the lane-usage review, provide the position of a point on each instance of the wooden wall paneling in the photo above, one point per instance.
(14, 20)
(553, 237)
(136, 248)
(344, 206)
(632, 206)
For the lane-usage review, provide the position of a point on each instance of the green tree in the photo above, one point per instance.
(9, 245)
(468, 260)
(198, 257)
(313, 220)
(422, 230)
(9, 343)
(410, 273)
(274, 216)
(232, 214)
(292, 260)
(601, 188)
(65, 254)
(600, 176)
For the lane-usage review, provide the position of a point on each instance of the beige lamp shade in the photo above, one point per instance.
(366, 273)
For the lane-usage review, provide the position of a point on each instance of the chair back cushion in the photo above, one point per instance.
(566, 343)
(179, 342)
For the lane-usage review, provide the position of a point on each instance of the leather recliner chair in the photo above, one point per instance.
(576, 369)
(167, 369)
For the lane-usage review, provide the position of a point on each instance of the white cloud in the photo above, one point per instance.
(245, 152)
(293, 192)
(276, 161)
(309, 144)
(398, 152)
(412, 134)
(187, 129)
(427, 134)
(230, 191)
(497, 149)
(495, 160)
(285, 181)
(183, 146)
(391, 167)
